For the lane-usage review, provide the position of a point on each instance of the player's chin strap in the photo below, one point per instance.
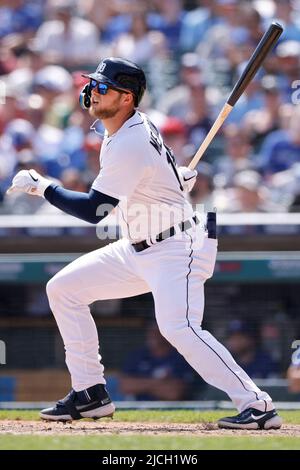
(93, 127)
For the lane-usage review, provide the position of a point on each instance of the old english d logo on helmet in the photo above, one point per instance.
(121, 73)
(101, 67)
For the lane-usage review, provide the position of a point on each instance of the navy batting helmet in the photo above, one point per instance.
(121, 73)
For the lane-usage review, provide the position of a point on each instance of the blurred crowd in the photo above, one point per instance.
(192, 51)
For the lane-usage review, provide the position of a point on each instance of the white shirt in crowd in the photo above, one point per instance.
(81, 42)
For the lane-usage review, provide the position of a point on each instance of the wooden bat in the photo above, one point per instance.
(266, 43)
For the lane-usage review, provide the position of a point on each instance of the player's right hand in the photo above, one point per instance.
(30, 182)
(187, 177)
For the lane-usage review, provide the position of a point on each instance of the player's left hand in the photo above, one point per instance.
(187, 177)
(30, 182)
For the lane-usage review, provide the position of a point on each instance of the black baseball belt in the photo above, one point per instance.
(182, 226)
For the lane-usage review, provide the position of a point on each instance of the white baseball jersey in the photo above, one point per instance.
(139, 170)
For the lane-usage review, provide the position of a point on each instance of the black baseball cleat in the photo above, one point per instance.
(251, 418)
(94, 402)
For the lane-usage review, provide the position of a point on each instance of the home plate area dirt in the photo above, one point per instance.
(18, 427)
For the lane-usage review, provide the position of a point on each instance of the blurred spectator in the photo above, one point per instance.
(51, 81)
(67, 39)
(140, 44)
(111, 18)
(168, 20)
(250, 194)
(222, 48)
(251, 99)
(34, 57)
(220, 35)
(72, 179)
(197, 23)
(11, 109)
(243, 345)
(202, 192)
(174, 133)
(48, 138)
(293, 372)
(149, 48)
(252, 21)
(285, 187)
(286, 15)
(261, 122)
(22, 203)
(190, 104)
(190, 73)
(288, 66)
(157, 371)
(18, 135)
(198, 114)
(238, 156)
(247, 194)
(18, 82)
(281, 148)
(20, 16)
(92, 147)
(272, 338)
(8, 60)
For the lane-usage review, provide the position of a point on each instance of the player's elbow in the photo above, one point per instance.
(92, 215)
(99, 208)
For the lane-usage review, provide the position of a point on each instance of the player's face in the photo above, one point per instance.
(105, 106)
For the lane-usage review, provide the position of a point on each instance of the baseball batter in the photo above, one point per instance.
(165, 249)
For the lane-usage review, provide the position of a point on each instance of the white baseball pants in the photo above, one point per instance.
(175, 271)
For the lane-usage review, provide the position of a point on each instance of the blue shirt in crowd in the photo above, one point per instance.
(278, 152)
(142, 363)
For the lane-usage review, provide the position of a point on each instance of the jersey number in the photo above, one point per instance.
(156, 142)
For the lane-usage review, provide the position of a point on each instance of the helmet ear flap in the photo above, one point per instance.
(85, 97)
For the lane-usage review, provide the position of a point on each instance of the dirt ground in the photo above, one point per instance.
(14, 427)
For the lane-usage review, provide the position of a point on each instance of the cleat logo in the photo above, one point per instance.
(256, 418)
(82, 407)
(105, 401)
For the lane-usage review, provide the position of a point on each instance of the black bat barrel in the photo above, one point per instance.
(266, 43)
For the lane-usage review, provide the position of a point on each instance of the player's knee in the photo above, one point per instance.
(54, 288)
(178, 334)
(169, 331)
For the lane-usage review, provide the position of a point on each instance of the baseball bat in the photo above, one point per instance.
(266, 43)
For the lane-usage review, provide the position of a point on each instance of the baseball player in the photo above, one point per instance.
(165, 249)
